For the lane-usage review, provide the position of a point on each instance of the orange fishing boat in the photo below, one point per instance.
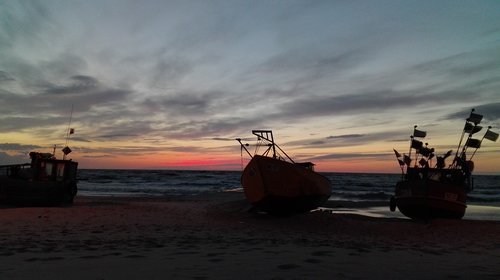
(276, 184)
(426, 191)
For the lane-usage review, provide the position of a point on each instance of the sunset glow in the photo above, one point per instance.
(170, 85)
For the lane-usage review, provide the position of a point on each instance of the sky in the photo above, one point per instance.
(171, 84)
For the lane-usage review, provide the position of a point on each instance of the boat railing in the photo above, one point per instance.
(451, 176)
(41, 170)
(22, 170)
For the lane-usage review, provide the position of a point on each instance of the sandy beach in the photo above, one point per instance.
(216, 237)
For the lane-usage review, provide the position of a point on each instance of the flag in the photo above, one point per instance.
(469, 128)
(475, 118)
(419, 133)
(397, 154)
(402, 163)
(447, 154)
(415, 144)
(426, 152)
(423, 162)
(407, 160)
(71, 131)
(440, 162)
(474, 143)
(490, 135)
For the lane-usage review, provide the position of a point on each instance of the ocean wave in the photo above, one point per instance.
(345, 186)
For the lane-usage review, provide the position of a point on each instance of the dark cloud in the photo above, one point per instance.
(490, 112)
(463, 65)
(8, 124)
(208, 128)
(18, 153)
(8, 159)
(170, 70)
(225, 139)
(79, 84)
(318, 62)
(328, 141)
(369, 102)
(23, 25)
(186, 105)
(50, 104)
(81, 139)
(346, 156)
(346, 140)
(17, 147)
(5, 77)
(345, 136)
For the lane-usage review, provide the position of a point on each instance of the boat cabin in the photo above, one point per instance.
(307, 165)
(43, 167)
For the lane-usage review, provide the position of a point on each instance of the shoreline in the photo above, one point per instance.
(370, 208)
(215, 237)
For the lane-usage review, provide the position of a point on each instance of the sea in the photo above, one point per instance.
(483, 201)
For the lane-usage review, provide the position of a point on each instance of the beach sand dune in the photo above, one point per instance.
(216, 237)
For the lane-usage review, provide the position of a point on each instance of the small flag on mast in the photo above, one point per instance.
(71, 131)
(448, 154)
(469, 128)
(426, 151)
(397, 154)
(475, 118)
(419, 133)
(407, 160)
(490, 135)
(415, 144)
(473, 143)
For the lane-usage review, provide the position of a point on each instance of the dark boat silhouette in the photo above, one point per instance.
(278, 185)
(426, 192)
(44, 181)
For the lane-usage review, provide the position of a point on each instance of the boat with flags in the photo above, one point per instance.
(45, 180)
(431, 189)
(276, 184)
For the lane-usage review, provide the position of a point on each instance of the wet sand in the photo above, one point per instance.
(216, 237)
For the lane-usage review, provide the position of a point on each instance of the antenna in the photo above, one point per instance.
(66, 149)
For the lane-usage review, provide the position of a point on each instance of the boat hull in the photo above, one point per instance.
(26, 192)
(280, 187)
(428, 199)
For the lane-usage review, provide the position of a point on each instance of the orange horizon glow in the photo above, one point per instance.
(228, 163)
(376, 157)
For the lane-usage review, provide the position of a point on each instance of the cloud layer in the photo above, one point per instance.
(180, 72)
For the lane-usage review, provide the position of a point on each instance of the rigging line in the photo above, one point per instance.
(241, 155)
(69, 125)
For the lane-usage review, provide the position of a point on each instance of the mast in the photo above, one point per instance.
(66, 149)
(69, 126)
(468, 128)
(268, 136)
(461, 139)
